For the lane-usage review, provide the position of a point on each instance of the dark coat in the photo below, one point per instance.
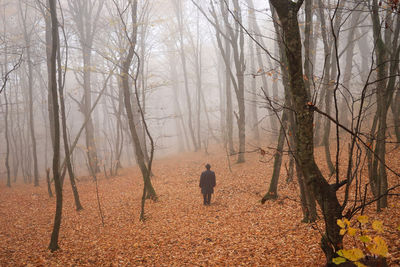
(207, 182)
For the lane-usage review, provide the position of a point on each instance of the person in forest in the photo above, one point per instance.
(207, 184)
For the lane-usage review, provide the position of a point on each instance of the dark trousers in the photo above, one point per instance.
(207, 198)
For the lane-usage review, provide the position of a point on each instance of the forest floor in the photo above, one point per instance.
(235, 230)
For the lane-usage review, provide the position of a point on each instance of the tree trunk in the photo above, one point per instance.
(273, 186)
(86, 16)
(254, 26)
(126, 63)
(345, 117)
(27, 38)
(7, 160)
(387, 55)
(396, 116)
(323, 192)
(237, 37)
(179, 13)
(253, 90)
(71, 174)
(228, 93)
(177, 110)
(56, 150)
(308, 32)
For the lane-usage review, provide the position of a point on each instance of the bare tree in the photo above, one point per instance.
(85, 14)
(27, 38)
(125, 66)
(179, 15)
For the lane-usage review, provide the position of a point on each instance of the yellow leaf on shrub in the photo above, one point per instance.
(379, 247)
(353, 254)
(342, 231)
(378, 226)
(340, 223)
(365, 239)
(362, 219)
(338, 260)
(352, 231)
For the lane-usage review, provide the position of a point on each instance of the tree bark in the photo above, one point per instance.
(125, 67)
(56, 150)
(7, 160)
(71, 174)
(323, 192)
(387, 55)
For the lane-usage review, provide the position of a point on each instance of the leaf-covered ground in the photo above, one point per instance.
(236, 230)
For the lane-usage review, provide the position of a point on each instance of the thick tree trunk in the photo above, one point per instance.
(396, 116)
(323, 192)
(48, 182)
(308, 32)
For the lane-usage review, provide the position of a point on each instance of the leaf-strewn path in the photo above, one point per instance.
(179, 231)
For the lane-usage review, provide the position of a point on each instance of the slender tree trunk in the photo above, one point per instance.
(89, 128)
(386, 59)
(14, 142)
(179, 13)
(229, 108)
(85, 15)
(56, 150)
(238, 55)
(178, 113)
(254, 26)
(7, 160)
(71, 174)
(253, 90)
(27, 39)
(125, 67)
(273, 186)
(347, 76)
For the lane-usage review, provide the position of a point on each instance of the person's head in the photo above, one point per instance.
(208, 166)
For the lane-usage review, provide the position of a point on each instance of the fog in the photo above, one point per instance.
(97, 29)
(90, 88)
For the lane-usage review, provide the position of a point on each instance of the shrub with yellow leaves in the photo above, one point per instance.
(371, 246)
